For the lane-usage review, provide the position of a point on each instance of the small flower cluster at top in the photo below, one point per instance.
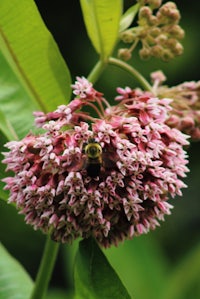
(159, 33)
(138, 166)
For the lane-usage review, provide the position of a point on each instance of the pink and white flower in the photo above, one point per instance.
(185, 106)
(143, 163)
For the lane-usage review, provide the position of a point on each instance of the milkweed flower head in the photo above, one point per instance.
(142, 166)
(185, 112)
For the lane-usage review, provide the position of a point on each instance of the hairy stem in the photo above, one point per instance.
(131, 70)
(45, 269)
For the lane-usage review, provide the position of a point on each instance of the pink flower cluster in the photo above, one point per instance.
(185, 113)
(142, 166)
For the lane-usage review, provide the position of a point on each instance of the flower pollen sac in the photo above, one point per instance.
(111, 179)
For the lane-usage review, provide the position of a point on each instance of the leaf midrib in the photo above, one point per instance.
(8, 51)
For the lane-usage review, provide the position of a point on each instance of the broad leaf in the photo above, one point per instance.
(6, 127)
(94, 277)
(16, 104)
(16, 113)
(14, 281)
(128, 17)
(102, 19)
(33, 55)
(141, 265)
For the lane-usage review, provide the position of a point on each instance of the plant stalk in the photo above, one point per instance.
(45, 269)
(96, 71)
(131, 70)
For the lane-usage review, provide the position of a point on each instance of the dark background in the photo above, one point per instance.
(181, 231)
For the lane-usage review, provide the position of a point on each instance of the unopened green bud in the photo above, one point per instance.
(155, 3)
(167, 7)
(155, 31)
(177, 49)
(127, 36)
(142, 33)
(145, 53)
(145, 13)
(124, 54)
(169, 12)
(161, 39)
(152, 21)
(171, 43)
(174, 16)
(177, 32)
(166, 55)
(156, 51)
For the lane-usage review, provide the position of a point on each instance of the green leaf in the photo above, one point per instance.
(6, 127)
(128, 17)
(142, 266)
(184, 276)
(3, 195)
(14, 281)
(16, 105)
(33, 55)
(94, 277)
(102, 19)
(16, 108)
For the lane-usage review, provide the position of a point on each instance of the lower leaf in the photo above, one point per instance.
(14, 281)
(94, 276)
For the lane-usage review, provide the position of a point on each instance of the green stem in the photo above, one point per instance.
(45, 270)
(96, 71)
(132, 71)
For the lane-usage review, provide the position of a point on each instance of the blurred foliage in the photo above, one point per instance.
(13, 272)
(154, 256)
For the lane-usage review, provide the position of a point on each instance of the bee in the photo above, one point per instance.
(94, 160)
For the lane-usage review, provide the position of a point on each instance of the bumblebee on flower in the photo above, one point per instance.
(111, 179)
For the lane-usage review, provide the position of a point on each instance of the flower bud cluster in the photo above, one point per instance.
(159, 33)
(139, 167)
(152, 3)
(185, 113)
